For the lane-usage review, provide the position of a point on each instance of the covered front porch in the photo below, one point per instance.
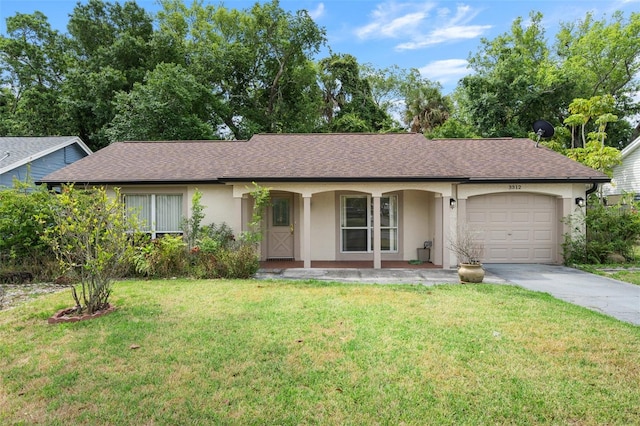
(355, 225)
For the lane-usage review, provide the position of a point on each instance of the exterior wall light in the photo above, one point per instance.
(580, 202)
(452, 203)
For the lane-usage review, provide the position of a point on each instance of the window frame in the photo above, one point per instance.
(153, 228)
(392, 228)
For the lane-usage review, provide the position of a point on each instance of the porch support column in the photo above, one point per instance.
(238, 223)
(377, 257)
(443, 232)
(446, 213)
(306, 231)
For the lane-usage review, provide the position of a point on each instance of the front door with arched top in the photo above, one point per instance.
(280, 227)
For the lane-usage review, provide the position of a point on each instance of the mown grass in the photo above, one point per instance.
(252, 352)
(626, 273)
(630, 276)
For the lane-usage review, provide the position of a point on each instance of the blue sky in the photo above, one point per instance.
(434, 36)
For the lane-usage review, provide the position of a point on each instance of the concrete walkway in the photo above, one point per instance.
(605, 295)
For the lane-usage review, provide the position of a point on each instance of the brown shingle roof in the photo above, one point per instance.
(353, 156)
(127, 162)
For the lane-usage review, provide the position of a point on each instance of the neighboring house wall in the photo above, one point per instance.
(43, 166)
(626, 176)
(33, 158)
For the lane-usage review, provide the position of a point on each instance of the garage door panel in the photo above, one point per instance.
(519, 236)
(496, 235)
(542, 254)
(520, 255)
(516, 201)
(542, 236)
(520, 216)
(498, 217)
(543, 217)
(516, 227)
(477, 217)
(500, 254)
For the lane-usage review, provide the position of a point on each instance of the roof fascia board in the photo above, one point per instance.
(130, 182)
(344, 179)
(541, 180)
(630, 148)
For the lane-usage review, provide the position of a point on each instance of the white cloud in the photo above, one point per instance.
(446, 70)
(394, 20)
(416, 23)
(318, 12)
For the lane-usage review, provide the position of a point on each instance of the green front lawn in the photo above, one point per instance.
(632, 277)
(253, 352)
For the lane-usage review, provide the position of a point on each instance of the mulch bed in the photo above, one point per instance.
(69, 315)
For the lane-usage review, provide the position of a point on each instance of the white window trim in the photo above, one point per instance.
(153, 231)
(369, 228)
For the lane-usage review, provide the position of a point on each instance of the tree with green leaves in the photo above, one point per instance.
(426, 107)
(256, 63)
(348, 103)
(33, 64)
(583, 110)
(90, 237)
(515, 82)
(593, 152)
(168, 105)
(602, 57)
(112, 50)
(519, 79)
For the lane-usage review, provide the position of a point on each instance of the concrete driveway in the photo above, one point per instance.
(605, 295)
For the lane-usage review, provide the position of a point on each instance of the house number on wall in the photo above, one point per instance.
(514, 187)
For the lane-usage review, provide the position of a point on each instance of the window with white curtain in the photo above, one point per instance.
(156, 213)
(356, 223)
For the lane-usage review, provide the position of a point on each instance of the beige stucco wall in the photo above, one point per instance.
(220, 205)
(417, 224)
(423, 209)
(323, 226)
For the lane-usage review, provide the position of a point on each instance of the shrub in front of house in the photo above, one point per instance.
(160, 257)
(610, 230)
(218, 254)
(25, 213)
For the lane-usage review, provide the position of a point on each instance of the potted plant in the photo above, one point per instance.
(469, 251)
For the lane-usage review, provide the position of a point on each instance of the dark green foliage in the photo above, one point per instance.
(239, 263)
(161, 257)
(519, 77)
(609, 229)
(219, 255)
(90, 239)
(348, 99)
(25, 214)
(169, 105)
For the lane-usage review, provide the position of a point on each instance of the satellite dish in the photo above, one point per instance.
(543, 129)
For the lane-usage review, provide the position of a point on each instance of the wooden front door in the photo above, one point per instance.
(280, 229)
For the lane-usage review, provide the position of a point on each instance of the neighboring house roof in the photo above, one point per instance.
(326, 157)
(16, 151)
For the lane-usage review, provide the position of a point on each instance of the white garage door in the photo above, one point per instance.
(516, 227)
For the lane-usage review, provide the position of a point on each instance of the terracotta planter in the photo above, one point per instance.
(470, 273)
